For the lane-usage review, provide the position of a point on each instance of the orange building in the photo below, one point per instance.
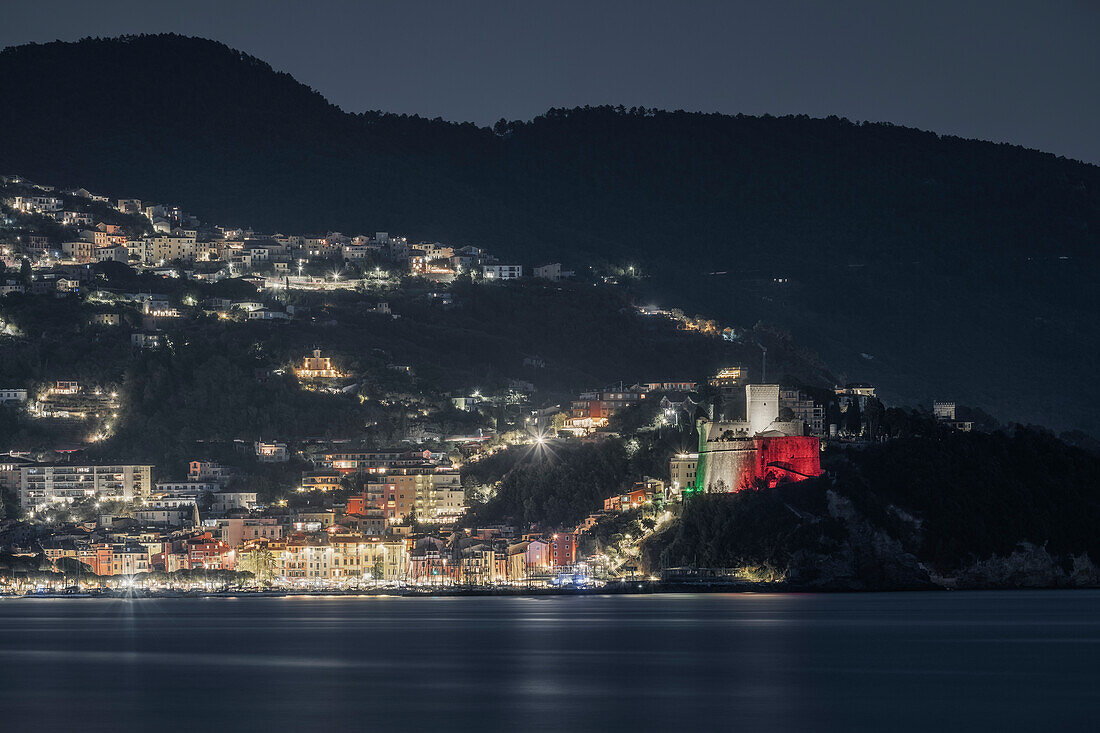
(621, 502)
(106, 239)
(100, 558)
(356, 504)
(203, 551)
(563, 549)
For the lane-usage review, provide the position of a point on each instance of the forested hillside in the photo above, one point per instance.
(932, 266)
(223, 379)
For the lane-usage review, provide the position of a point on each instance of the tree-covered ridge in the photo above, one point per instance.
(904, 258)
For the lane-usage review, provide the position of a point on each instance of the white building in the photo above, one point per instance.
(42, 485)
(762, 410)
(804, 409)
(75, 218)
(225, 501)
(37, 204)
(271, 452)
(359, 250)
(188, 487)
(13, 395)
(502, 272)
(173, 510)
(858, 392)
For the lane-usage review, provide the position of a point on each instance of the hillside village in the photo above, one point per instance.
(378, 476)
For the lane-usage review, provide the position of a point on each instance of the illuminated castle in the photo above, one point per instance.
(758, 451)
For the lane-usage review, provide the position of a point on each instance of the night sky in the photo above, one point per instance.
(1019, 71)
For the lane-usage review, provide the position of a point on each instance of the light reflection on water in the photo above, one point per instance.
(951, 661)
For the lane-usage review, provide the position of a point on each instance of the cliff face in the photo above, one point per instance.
(826, 545)
(938, 528)
(1026, 567)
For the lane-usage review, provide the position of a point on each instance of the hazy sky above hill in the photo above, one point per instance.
(1019, 71)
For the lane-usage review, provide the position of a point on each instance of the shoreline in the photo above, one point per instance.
(634, 588)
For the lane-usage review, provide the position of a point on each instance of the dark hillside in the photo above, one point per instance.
(933, 266)
(966, 509)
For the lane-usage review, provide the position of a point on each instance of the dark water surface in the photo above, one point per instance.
(1006, 661)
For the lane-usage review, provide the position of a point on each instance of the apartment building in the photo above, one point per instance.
(434, 493)
(168, 248)
(372, 461)
(318, 557)
(682, 469)
(79, 251)
(804, 409)
(43, 484)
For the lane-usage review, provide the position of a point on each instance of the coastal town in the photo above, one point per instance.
(549, 366)
(363, 510)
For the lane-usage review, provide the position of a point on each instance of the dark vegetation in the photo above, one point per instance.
(975, 495)
(218, 380)
(979, 494)
(748, 529)
(558, 484)
(912, 260)
(613, 529)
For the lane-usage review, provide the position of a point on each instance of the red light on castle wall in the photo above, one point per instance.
(779, 459)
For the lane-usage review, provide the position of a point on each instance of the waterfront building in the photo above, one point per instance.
(320, 556)
(235, 531)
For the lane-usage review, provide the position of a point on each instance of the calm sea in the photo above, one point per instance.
(998, 661)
